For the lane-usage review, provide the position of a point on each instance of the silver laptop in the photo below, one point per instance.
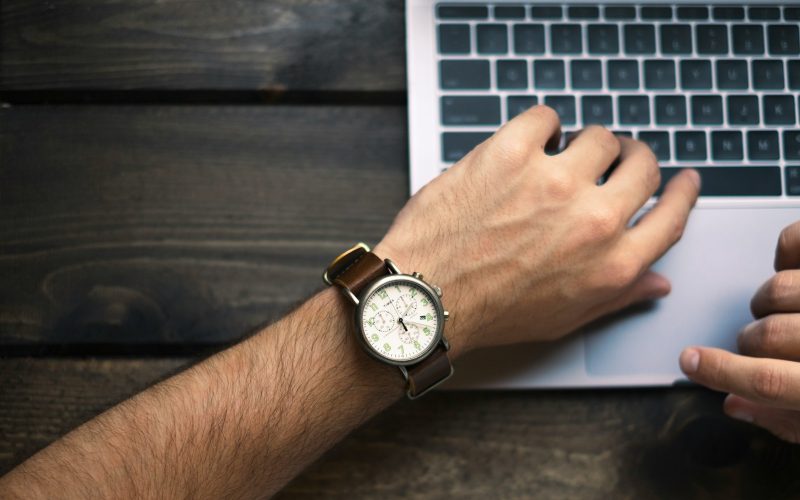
(711, 86)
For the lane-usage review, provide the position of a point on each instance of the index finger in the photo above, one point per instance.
(533, 129)
(770, 381)
(787, 254)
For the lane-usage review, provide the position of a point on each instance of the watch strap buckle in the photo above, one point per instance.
(343, 261)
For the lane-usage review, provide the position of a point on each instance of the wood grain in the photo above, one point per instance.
(340, 45)
(670, 443)
(186, 224)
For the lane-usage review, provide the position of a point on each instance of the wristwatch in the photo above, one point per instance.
(399, 317)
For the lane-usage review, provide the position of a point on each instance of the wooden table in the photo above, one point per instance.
(174, 173)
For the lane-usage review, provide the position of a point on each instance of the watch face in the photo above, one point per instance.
(400, 320)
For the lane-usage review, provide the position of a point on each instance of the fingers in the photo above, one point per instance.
(529, 131)
(781, 293)
(636, 177)
(592, 151)
(775, 336)
(783, 423)
(649, 286)
(770, 381)
(787, 255)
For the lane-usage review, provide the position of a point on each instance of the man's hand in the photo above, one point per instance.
(527, 246)
(763, 382)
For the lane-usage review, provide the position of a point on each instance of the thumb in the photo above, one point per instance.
(781, 422)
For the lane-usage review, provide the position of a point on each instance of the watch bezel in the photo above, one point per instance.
(381, 282)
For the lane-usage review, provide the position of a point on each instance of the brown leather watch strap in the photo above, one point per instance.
(366, 269)
(429, 372)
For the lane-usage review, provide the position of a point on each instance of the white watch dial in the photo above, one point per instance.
(400, 321)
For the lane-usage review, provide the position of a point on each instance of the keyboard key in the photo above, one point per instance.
(512, 74)
(658, 142)
(791, 13)
(763, 13)
(456, 145)
(695, 74)
(791, 144)
(633, 109)
(676, 38)
(603, 39)
(712, 39)
(655, 13)
(793, 181)
(583, 12)
(565, 39)
(548, 74)
(783, 39)
(743, 110)
(732, 181)
(762, 145)
(492, 39)
(793, 68)
(692, 13)
(586, 74)
(640, 39)
(778, 110)
(748, 39)
(529, 38)
(509, 12)
(690, 146)
(670, 110)
(516, 104)
(706, 110)
(464, 74)
(728, 13)
(454, 39)
(546, 12)
(732, 74)
(620, 12)
(659, 74)
(768, 74)
(597, 109)
(564, 105)
(726, 145)
(470, 110)
(622, 74)
(462, 12)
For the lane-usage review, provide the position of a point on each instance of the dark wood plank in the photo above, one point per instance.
(668, 443)
(349, 45)
(183, 224)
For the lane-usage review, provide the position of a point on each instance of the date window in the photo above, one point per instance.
(422, 317)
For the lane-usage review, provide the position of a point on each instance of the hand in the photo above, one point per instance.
(763, 382)
(526, 246)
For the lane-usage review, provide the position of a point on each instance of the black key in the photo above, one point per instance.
(546, 12)
(768, 74)
(565, 39)
(622, 74)
(623, 133)
(763, 13)
(586, 74)
(640, 39)
(516, 104)
(470, 110)
(726, 145)
(462, 12)
(597, 109)
(712, 39)
(509, 12)
(791, 144)
(762, 145)
(670, 110)
(633, 109)
(456, 145)
(791, 13)
(732, 74)
(728, 13)
(658, 142)
(783, 39)
(793, 68)
(743, 110)
(659, 74)
(707, 110)
(464, 74)
(583, 12)
(603, 39)
(492, 39)
(454, 39)
(529, 38)
(778, 109)
(793, 181)
(732, 181)
(692, 13)
(696, 74)
(618, 12)
(512, 74)
(564, 105)
(748, 39)
(548, 74)
(655, 13)
(690, 146)
(676, 38)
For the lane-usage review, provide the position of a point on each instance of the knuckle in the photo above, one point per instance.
(604, 140)
(678, 227)
(769, 383)
(506, 149)
(546, 114)
(779, 287)
(770, 333)
(621, 271)
(560, 185)
(601, 224)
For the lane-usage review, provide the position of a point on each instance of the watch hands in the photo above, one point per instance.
(413, 323)
(400, 320)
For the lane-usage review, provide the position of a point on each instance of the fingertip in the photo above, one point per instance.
(690, 360)
(694, 176)
(738, 408)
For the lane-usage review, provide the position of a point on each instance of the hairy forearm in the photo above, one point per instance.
(240, 424)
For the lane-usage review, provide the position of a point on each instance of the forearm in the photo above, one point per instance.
(241, 423)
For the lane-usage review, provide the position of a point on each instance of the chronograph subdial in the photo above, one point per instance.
(384, 321)
(405, 305)
(409, 334)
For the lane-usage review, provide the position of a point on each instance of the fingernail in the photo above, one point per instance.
(695, 176)
(741, 415)
(690, 360)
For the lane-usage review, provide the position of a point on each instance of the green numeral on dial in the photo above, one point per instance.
(382, 294)
(373, 306)
(374, 337)
(429, 317)
(417, 346)
(387, 347)
(424, 302)
(413, 293)
(426, 330)
(402, 351)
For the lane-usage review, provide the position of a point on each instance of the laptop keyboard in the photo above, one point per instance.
(715, 88)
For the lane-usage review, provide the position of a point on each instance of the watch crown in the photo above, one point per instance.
(437, 290)
(446, 315)
(416, 275)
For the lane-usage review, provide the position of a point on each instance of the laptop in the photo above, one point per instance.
(709, 86)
